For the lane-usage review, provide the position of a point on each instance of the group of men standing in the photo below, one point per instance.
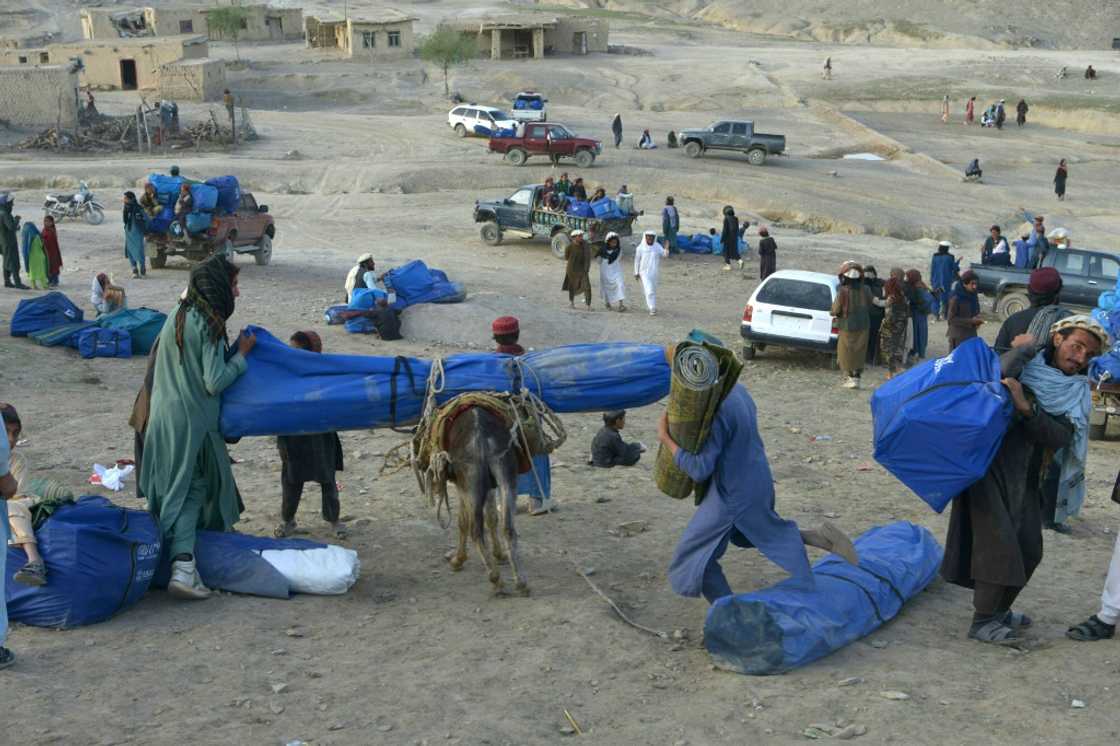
(579, 256)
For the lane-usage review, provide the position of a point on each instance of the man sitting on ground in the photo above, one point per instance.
(355, 280)
(608, 449)
(973, 171)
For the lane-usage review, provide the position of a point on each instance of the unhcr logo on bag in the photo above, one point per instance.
(941, 362)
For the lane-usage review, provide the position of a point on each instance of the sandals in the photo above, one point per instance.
(7, 657)
(994, 631)
(1091, 630)
(541, 507)
(841, 544)
(1016, 620)
(340, 531)
(284, 530)
(33, 573)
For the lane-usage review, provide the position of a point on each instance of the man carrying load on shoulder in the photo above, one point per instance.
(994, 541)
(738, 507)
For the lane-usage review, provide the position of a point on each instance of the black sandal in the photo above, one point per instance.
(1091, 630)
(1017, 620)
(7, 657)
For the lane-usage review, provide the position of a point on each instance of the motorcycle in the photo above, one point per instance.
(81, 204)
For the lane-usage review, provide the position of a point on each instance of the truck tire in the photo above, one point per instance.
(490, 233)
(584, 158)
(460, 130)
(693, 149)
(516, 156)
(263, 255)
(756, 156)
(1012, 302)
(159, 261)
(559, 243)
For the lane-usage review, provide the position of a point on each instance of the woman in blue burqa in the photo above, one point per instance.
(738, 506)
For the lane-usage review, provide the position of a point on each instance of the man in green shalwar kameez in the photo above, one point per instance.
(185, 472)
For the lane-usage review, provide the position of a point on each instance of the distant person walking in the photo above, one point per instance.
(577, 272)
(1001, 114)
(227, 100)
(1090, 73)
(1021, 110)
(851, 309)
(647, 268)
(670, 224)
(942, 275)
(1060, 177)
(616, 128)
(767, 253)
(730, 238)
(827, 72)
(945, 110)
(970, 110)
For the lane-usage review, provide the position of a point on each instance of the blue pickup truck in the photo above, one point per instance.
(1085, 275)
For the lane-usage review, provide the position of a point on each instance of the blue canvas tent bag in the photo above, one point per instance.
(36, 314)
(98, 342)
(938, 426)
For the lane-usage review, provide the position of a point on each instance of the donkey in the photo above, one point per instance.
(483, 455)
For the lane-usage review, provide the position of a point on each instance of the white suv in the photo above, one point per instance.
(465, 117)
(791, 309)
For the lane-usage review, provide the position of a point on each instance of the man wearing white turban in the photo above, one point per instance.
(647, 267)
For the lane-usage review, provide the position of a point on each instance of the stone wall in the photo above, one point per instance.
(193, 80)
(34, 96)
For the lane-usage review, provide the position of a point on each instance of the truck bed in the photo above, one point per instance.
(595, 227)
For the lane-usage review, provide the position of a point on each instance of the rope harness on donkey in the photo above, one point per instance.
(534, 429)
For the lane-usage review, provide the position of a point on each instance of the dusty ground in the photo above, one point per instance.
(416, 654)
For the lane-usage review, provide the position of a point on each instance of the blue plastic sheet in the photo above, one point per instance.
(333, 315)
(160, 223)
(205, 197)
(938, 426)
(47, 311)
(787, 625)
(167, 188)
(415, 282)
(229, 193)
(100, 560)
(287, 391)
(198, 221)
(230, 561)
(142, 324)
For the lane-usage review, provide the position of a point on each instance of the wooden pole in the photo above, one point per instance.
(139, 134)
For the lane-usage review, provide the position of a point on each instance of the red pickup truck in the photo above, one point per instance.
(247, 230)
(548, 139)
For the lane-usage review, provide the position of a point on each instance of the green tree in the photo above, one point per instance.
(229, 21)
(444, 48)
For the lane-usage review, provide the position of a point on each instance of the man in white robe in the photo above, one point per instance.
(647, 267)
(611, 283)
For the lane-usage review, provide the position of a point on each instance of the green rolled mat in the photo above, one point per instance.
(703, 374)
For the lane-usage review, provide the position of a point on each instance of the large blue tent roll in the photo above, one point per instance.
(286, 391)
(788, 625)
(938, 426)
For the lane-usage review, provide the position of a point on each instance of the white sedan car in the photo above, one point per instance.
(466, 117)
(791, 309)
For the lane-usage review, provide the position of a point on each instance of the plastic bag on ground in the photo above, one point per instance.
(327, 571)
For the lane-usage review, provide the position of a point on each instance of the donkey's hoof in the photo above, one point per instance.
(523, 589)
(456, 562)
(499, 591)
(500, 558)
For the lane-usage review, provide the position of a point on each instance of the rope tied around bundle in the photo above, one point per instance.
(534, 429)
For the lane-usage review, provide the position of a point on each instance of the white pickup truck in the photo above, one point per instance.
(528, 106)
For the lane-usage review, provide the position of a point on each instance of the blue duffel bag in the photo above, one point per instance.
(938, 426)
(100, 561)
(36, 314)
(197, 221)
(99, 342)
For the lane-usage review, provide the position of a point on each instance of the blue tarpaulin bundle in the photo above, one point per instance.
(229, 193)
(142, 324)
(416, 283)
(606, 208)
(63, 334)
(364, 299)
(167, 188)
(160, 223)
(286, 391)
(231, 561)
(36, 314)
(205, 197)
(333, 315)
(198, 221)
(938, 426)
(100, 560)
(788, 625)
(580, 209)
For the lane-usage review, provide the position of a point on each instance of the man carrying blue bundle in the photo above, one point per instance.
(994, 541)
(738, 507)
